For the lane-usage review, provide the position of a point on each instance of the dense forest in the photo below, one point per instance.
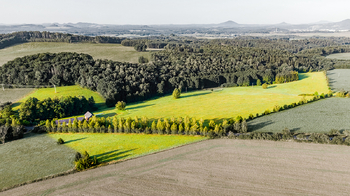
(183, 67)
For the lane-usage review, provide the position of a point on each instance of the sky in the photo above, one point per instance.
(148, 12)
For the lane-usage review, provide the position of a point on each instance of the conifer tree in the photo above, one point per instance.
(176, 93)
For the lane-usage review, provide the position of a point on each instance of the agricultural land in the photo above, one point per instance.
(342, 56)
(37, 156)
(14, 94)
(225, 103)
(114, 52)
(339, 79)
(320, 116)
(227, 167)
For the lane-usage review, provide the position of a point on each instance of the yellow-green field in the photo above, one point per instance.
(225, 103)
(113, 147)
(63, 91)
(115, 52)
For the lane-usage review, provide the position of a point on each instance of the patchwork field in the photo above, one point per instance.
(44, 93)
(214, 167)
(339, 79)
(37, 156)
(226, 102)
(342, 56)
(320, 116)
(33, 157)
(14, 95)
(115, 52)
(113, 147)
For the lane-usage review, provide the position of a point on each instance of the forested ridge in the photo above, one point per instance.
(183, 67)
(7, 40)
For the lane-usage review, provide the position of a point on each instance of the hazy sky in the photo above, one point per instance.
(173, 12)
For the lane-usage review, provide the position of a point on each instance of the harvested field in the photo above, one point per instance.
(320, 116)
(13, 95)
(214, 167)
(33, 157)
(115, 52)
(342, 56)
(339, 79)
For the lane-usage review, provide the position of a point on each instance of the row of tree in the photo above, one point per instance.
(11, 131)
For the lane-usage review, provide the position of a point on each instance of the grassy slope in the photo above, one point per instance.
(114, 52)
(44, 93)
(109, 147)
(321, 116)
(226, 103)
(33, 157)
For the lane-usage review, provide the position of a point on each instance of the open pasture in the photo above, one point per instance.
(214, 167)
(115, 52)
(341, 56)
(113, 147)
(13, 94)
(225, 103)
(339, 79)
(320, 116)
(33, 157)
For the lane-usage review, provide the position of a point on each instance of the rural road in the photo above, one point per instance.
(214, 167)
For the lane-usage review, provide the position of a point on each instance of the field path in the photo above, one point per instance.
(214, 167)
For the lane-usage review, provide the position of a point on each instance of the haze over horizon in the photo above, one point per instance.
(155, 12)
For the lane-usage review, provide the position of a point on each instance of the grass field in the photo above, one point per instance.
(113, 147)
(339, 79)
(44, 93)
(225, 103)
(115, 52)
(214, 167)
(321, 116)
(14, 95)
(342, 56)
(33, 157)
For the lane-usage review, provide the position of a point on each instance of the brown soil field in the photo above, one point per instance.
(214, 167)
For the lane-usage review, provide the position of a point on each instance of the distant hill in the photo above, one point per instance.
(229, 23)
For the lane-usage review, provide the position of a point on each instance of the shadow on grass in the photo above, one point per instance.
(195, 95)
(70, 141)
(257, 126)
(16, 104)
(108, 115)
(271, 86)
(113, 155)
(303, 76)
(138, 107)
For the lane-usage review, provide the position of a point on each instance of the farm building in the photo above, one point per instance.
(88, 115)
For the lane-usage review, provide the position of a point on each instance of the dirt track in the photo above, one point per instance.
(214, 167)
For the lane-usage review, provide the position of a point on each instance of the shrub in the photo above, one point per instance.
(334, 132)
(267, 112)
(120, 105)
(60, 141)
(143, 59)
(251, 116)
(264, 86)
(258, 82)
(84, 161)
(276, 108)
(176, 93)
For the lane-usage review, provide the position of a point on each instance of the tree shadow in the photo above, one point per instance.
(257, 126)
(113, 155)
(16, 104)
(272, 86)
(108, 115)
(195, 95)
(70, 141)
(138, 107)
(294, 130)
(302, 77)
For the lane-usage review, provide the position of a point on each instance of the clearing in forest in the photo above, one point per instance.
(214, 167)
(114, 52)
(225, 103)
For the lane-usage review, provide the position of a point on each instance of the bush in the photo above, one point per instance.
(60, 141)
(84, 161)
(176, 93)
(120, 105)
(251, 116)
(267, 112)
(264, 86)
(258, 82)
(143, 59)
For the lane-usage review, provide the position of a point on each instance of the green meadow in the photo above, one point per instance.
(113, 147)
(115, 52)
